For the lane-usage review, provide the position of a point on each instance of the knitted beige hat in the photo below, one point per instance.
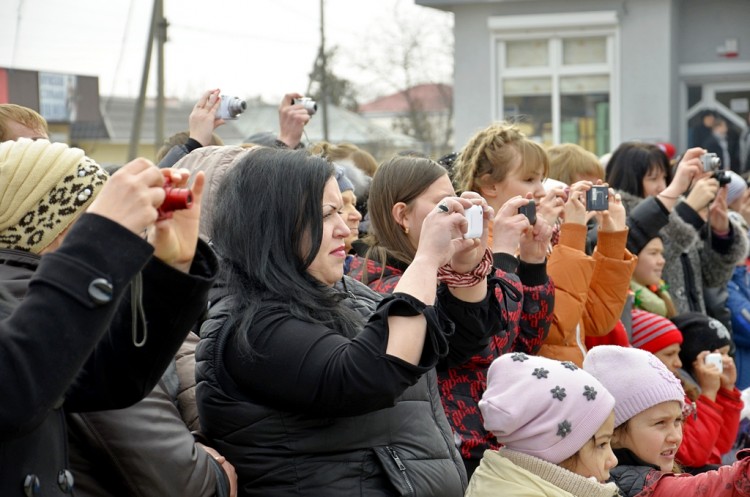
(44, 187)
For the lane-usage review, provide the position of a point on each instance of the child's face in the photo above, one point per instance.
(650, 263)
(596, 457)
(519, 181)
(670, 356)
(653, 435)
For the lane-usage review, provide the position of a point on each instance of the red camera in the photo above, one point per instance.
(176, 199)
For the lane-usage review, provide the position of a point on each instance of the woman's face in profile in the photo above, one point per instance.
(328, 265)
(424, 204)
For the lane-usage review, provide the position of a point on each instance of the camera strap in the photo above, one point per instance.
(136, 310)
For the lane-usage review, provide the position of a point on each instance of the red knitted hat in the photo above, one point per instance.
(653, 332)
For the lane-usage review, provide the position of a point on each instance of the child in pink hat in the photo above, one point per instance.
(649, 413)
(555, 422)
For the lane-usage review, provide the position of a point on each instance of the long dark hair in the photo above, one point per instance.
(267, 229)
(631, 162)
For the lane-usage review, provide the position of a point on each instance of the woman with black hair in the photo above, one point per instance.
(309, 382)
(701, 244)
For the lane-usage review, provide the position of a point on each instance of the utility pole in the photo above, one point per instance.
(161, 39)
(323, 78)
(135, 130)
(157, 32)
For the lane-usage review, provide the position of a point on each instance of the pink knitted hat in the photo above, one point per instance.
(637, 379)
(542, 407)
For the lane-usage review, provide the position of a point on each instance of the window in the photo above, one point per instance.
(555, 76)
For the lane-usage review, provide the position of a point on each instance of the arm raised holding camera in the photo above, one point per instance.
(292, 120)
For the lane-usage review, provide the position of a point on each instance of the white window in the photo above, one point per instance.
(555, 74)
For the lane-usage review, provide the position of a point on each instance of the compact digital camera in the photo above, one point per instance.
(230, 108)
(597, 198)
(529, 210)
(710, 162)
(176, 199)
(308, 103)
(474, 216)
(715, 358)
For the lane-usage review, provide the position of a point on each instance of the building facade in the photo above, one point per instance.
(600, 72)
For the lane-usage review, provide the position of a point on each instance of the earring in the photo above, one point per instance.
(406, 230)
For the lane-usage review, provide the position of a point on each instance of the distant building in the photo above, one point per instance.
(102, 125)
(428, 105)
(599, 72)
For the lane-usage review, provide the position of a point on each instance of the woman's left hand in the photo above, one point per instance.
(535, 242)
(175, 239)
(612, 219)
(729, 372)
(469, 257)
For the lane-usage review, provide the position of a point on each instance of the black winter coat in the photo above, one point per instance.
(67, 346)
(396, 445)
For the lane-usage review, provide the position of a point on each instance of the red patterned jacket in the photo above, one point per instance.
(525, 298)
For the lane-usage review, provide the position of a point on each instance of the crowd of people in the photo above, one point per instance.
(305, 319)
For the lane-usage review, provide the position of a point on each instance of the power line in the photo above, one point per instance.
(18, 32)
(121, 56)
(233, 35)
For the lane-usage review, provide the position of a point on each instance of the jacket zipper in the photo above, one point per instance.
(401, 468)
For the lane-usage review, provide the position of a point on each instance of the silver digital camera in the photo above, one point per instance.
(230, 108)
(308, 103)
(710, 162)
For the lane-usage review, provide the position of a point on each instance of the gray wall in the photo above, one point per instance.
(656, 37)
(645, 65)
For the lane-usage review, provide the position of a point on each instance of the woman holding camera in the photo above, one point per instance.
(590, 291)
(701, 244)
(403, 190)
(309, 383)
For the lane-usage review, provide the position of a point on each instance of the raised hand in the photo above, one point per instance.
(131, 196)
(175, 239)
(509, 226)
(292, 120)
(202, 120)
(613, 219)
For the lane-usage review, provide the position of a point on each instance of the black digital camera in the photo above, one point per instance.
(529, 210)
(597, 198)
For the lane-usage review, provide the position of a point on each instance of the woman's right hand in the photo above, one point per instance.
(509, 225)
(442, 232)
(131, 196)
(689, 168)
(202, 120)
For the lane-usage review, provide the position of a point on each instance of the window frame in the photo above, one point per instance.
(555, 28)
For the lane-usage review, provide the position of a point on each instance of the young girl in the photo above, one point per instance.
(403, 190)
(555, 421)
(500, 163)
(650, 292)
(712, 427)
(648, 429)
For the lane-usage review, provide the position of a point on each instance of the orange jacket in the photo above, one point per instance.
(590, 290)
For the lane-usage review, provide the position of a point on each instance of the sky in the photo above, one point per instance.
(247, 48)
